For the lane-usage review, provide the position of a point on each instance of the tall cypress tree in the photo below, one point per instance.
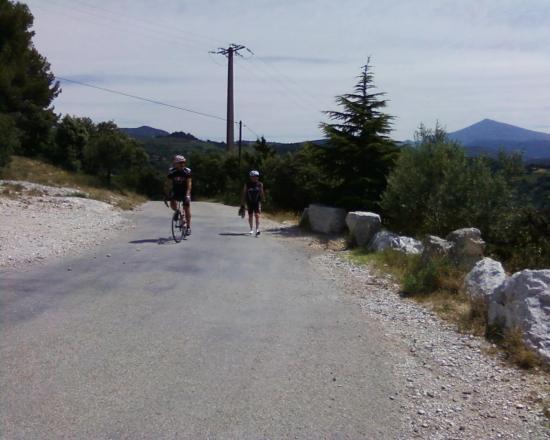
(27, 87)
(361, 153)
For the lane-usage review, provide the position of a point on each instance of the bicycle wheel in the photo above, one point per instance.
(178, 229)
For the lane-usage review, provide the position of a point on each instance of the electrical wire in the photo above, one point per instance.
(141, 98)
(153, 101)
(261, 70)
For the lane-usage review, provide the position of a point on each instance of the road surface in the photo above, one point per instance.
(223, 336)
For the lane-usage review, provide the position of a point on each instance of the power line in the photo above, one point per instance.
(252, 131)
(101, 15)
(141, 98)
(152, 101)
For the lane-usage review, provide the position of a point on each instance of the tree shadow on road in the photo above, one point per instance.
(234, 234)
(160, 240)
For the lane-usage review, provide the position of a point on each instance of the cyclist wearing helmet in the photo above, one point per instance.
(253, 195)
(180, 176)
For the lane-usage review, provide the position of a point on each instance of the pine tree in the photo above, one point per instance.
(361, 153)
(27, 87)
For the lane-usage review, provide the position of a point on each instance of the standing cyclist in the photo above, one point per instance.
(253, 195)
(180, 176)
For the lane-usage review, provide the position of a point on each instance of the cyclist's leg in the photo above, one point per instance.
(250, 217)
(257, 213)
(187, 210)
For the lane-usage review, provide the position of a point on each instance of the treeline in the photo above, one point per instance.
(103, 150)
(30, 127)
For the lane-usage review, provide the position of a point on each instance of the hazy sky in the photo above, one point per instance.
(454, 61)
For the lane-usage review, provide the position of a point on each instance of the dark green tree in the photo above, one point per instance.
(361, 153)
(434, 188)
(108, 151)
(27, 86)
(71, 137)
(9, 138)
(263, 150)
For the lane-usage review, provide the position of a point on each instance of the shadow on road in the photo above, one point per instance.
(159, 240)
(235, 234)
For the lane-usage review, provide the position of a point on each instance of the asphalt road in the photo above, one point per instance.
(223, 336)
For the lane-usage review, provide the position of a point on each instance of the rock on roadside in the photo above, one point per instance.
(326, 219)
(362, 226)
(523, 301)
(388, 240)
(482, 281)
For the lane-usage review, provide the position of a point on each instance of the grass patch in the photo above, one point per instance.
(515, 349)
(282, 216)
(389, 261)
(32, 170)
(439, 286)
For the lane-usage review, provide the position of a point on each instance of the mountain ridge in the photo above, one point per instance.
(489, 137)
(484, 137)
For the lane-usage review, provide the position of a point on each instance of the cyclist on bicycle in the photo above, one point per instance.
(180, 176)
(253, 195)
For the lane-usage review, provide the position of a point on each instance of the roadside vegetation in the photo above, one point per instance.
(439, 286)
(85, 185)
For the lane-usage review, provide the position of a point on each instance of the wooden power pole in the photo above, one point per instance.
(229, 52)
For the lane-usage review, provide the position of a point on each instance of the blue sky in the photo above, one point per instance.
(453, 61)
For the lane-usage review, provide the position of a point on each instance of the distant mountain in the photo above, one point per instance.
(144, 132)
(182, 135)
(488, 137)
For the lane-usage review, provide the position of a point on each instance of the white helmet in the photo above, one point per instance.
(254, 173)
(179, 158)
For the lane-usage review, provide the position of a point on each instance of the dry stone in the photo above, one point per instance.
(482, 281)
(388, 240)
(363, 226)
(435, 248)
(523, 301)
(468, 247)
(326, 219)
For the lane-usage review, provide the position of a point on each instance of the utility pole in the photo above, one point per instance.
(233, 49)
(240, 142)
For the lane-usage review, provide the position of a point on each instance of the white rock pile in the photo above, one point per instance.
(36, 228)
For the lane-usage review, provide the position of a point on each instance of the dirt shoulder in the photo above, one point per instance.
(38, 223)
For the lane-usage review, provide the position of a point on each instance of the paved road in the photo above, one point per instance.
(223, 336)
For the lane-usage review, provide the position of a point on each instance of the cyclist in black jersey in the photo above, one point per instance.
(253, 195)
(180, 176)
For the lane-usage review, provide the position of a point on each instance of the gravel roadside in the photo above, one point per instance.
(454, 388)
(38, 223)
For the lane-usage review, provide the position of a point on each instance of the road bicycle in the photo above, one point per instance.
(178, 222)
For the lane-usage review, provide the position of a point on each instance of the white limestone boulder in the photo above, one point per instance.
(362, 226)
(326, 219)
(383, 240)
(468, 247)
(435, 248)
(482, 281)
(523, 301)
